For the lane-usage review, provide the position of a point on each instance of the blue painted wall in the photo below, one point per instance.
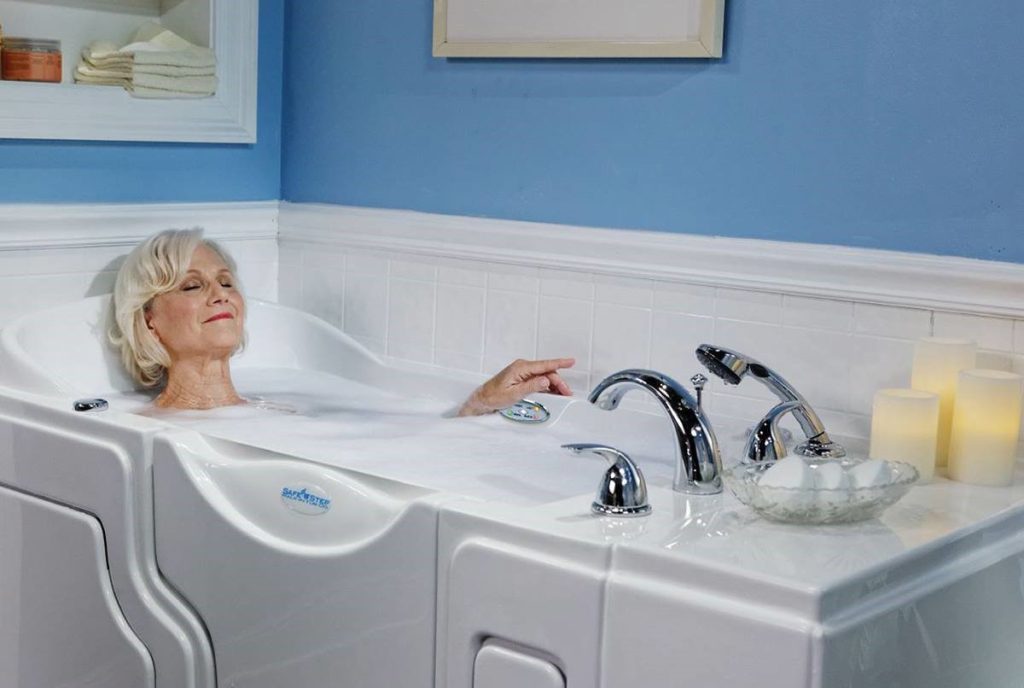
(92, 172)
(883, 124)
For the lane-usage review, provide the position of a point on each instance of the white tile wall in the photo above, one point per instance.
(624, 291)
(477, 316)
(512, 278)
(990, 333)
(39, 278)
(290, 263)
(411, 317)
(455, 272)
(693, 299)
(823, 314)
(568, 285)
(408, 269)
(564, 328)
(752, 306)
(510, 329)
(621, 338)
(365, 300)
(323, 293)
(460, 319)
(887, 321)
(674, 338)
(876, 363)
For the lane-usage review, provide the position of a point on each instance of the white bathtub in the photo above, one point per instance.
(452, 552)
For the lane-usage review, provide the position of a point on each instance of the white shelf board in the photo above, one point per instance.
(144, 7)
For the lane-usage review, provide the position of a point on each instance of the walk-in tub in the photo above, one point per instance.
(339, 531)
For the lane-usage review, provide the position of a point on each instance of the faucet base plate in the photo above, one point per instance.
(620, 511)
(821, 450)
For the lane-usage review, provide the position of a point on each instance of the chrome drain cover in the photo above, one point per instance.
(526, 411)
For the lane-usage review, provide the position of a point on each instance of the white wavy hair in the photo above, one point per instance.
(154, 267)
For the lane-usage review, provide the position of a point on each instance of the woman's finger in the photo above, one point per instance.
(534, 384)
(558, 385)
(545, 366)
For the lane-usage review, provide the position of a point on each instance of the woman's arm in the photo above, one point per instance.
(517, 380)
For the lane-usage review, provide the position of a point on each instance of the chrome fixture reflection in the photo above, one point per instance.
(623, 490)
(733, 366)
(698, 462)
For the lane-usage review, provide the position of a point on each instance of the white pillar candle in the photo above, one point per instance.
(986, 427)
(905, 427)
(937, 363)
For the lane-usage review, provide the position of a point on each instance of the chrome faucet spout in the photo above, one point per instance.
(698, 460)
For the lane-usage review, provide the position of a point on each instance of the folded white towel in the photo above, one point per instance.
(171, 70)
(155, 45)
(99, 50)
(157, 63)
(198, 57)
(87, 70)
(184, 84)
(143, 92)
(126, 68)
(151, 45)
(159, 37)
(108, 62)
(101, 81)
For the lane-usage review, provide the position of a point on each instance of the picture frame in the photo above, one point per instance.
(578, 28)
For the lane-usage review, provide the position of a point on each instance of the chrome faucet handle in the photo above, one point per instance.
(623, 490)
(698, 381)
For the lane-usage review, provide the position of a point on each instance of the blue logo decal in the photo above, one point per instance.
(306, 500)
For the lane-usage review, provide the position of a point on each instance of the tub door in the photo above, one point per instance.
(60, 624)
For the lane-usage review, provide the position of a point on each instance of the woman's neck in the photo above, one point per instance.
(198, 384)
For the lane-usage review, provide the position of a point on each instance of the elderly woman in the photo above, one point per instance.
(179, 316)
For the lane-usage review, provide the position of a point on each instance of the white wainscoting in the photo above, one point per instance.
(52, 254)
(469, 294)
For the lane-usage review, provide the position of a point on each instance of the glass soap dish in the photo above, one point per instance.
(815, 505)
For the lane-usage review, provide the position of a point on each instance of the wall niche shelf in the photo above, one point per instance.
(69, 111)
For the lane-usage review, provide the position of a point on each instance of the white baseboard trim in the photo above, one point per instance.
(851, 274)
(48, 226)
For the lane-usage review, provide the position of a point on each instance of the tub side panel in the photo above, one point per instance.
(967, 633)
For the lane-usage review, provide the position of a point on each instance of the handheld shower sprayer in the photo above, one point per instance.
(732, 366)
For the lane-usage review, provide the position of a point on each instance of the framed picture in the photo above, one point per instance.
(578, 28)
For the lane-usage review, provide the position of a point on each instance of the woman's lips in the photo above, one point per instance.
(219, 316)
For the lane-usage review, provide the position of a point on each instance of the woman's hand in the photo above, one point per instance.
(517, 380)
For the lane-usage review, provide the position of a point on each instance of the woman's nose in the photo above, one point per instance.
(218, 293)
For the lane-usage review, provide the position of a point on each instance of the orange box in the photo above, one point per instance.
(31, 59)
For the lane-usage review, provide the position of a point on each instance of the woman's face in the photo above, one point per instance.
(203, 315)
